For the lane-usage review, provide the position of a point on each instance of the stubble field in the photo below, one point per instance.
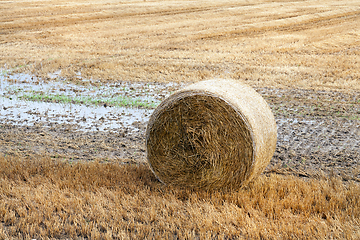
(79, 80)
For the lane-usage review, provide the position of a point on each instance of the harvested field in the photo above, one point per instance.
(53, 199)
(307, 44)
(79, 80)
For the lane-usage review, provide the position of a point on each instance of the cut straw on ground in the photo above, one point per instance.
(44, 199)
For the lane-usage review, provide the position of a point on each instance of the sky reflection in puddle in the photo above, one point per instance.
(86, 118)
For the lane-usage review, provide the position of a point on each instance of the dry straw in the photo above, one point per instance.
(215, 134)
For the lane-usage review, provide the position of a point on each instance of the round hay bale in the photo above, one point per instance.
(214, 134)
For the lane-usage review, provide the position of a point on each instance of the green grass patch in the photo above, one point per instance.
(119, 101)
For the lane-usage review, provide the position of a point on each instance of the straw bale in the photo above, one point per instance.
(214, 134)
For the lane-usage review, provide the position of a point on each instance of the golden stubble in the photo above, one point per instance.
(305, 44)
(44, 198)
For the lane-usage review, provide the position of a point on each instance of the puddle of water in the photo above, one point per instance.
(14, 87)
(20, 85)
(87, 118)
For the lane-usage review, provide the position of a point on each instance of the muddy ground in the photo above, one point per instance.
(318, 133)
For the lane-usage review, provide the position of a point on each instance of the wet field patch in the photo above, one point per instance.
(317, 130)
